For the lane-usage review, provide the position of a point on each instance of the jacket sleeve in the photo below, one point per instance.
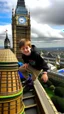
(44, 65)
(41, 62)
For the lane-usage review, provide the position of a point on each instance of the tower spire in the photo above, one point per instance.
(21, 3)
(21, 8)
(6, 41)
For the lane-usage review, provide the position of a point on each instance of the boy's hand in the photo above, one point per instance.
(44, 77)
(25, 65)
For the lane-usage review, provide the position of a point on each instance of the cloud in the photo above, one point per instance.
(4, 28)
(34, 35)
(3, 34)
(37, 4)
(44, 30)
(43, 13)
(53, 14)
(7, 5)
(41, 33)
(4, 6)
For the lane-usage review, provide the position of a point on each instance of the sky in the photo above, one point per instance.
(47, 21)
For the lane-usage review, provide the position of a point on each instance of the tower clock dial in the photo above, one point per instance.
(22, 20)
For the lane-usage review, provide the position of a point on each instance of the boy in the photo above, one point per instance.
(32, 60)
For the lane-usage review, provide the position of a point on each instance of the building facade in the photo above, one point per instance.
(20, 26)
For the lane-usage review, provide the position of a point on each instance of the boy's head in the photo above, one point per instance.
(25, 47)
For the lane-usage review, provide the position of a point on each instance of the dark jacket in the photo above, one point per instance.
(35, 60)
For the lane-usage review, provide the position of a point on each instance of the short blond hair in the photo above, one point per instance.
(24, 42)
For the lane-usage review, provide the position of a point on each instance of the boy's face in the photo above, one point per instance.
(26, 50)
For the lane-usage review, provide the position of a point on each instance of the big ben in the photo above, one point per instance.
(20, 26)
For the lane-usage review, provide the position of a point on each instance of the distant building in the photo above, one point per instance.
(20, 26)
(57, 61)
(49, 54)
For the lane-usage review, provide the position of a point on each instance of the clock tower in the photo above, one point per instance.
(20, 26)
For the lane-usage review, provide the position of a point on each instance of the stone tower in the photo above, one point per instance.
(20, 26)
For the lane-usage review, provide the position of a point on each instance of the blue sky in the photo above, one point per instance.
(58, 27)
(5, 13)
(46, 29)
(4, 19)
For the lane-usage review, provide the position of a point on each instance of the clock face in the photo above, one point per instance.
(22, 20)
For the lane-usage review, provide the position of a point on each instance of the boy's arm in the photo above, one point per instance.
(41, 62)
(25, 64)
(44, 77)
(23, 67)
(44, 66)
